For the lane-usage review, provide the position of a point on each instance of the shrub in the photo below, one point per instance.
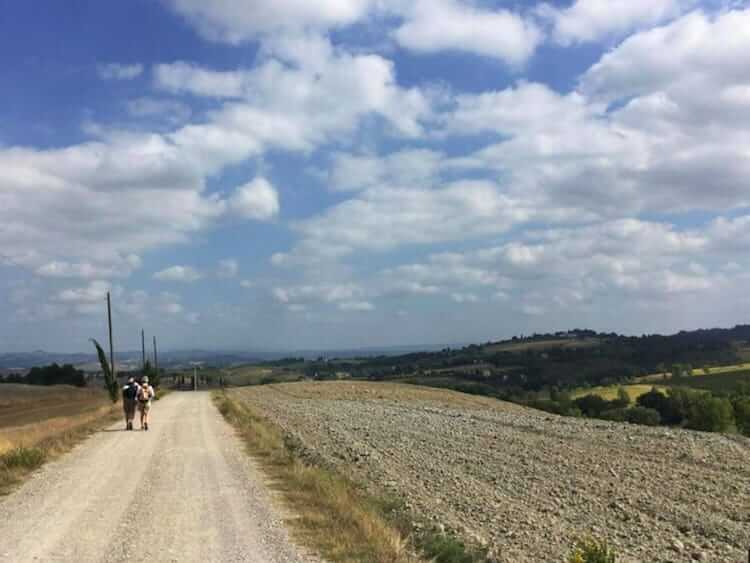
(447, 549)
(592, 551)
(592, 405)
(711, 414)
(742, 414)
(643, 415)
(22, 458)
(622, 400)
(617, 415)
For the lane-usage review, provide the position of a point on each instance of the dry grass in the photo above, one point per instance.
(40, 423)
(332, 516)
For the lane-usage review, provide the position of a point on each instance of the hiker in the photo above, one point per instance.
(129, 397)
(145, 394)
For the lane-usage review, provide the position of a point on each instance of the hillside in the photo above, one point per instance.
(524, 483)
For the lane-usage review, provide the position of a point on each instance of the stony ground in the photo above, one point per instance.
(524, 482)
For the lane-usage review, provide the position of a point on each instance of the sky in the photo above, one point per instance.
(283, 174)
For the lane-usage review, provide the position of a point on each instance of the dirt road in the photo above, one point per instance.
(183, 491)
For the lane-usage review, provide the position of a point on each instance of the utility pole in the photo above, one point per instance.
(143, 351)
(156, 359)
(111, 348)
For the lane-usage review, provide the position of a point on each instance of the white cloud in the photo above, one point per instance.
(697, 54)
(235, 21)
(185, 274)
(382, 219)
(116, 71)
(228, 268)
(171, 111)
(172, 308)
(593, 20)
(464, 298)
(437, 25)
(256, 200)
(411, 168)
(64, 269)
(247, 284)
(96, 291)
(358, 306)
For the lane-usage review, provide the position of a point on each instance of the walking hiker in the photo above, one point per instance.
(145, 394)
(129, 396)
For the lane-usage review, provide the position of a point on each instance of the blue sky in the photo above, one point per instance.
(276, 175)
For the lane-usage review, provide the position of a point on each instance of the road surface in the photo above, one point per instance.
(183, 491)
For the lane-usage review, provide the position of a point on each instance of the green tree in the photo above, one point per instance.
(711, 414)
(110, 383)
(622, 400)
(742, 414)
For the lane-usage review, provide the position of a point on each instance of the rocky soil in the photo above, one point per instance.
(523, 482)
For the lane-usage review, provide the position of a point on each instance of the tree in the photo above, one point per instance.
(109, 379)
(643, 415)
(742, 414)
(151, 373)
(711, 414)
(592, 405)
(622, 400)
(56, 375)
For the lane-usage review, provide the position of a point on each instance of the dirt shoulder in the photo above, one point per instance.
(523, 482)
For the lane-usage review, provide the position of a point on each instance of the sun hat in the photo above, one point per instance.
(145, 379)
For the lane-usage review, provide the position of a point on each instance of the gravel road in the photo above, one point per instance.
(523, 482)
(183, 491)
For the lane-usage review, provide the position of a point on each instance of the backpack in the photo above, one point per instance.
(145, 394)
(130, 392)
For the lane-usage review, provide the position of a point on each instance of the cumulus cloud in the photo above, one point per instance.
(184, 274)
(592, 20)
(235, 21)
(413, 168)
(382, 219)
(435, 25)
(140, 191)
(356, 306)
(256, 200)
(116, 71)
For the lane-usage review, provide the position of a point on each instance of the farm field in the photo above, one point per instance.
(255, 375)
(726, 381)
(32, 413)
(718, 370)
(521, 482)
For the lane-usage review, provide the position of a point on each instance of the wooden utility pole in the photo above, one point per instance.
(111, 347)
(143, 351)
(156, 358)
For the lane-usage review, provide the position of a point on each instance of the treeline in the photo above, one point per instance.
(53, 374)
(687, 408)
(610, 359)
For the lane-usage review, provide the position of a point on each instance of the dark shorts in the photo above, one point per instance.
(129, 406)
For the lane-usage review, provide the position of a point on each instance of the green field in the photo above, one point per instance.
(715, 382)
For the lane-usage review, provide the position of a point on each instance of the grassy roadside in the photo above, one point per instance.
(57, 438)
(334, 517)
